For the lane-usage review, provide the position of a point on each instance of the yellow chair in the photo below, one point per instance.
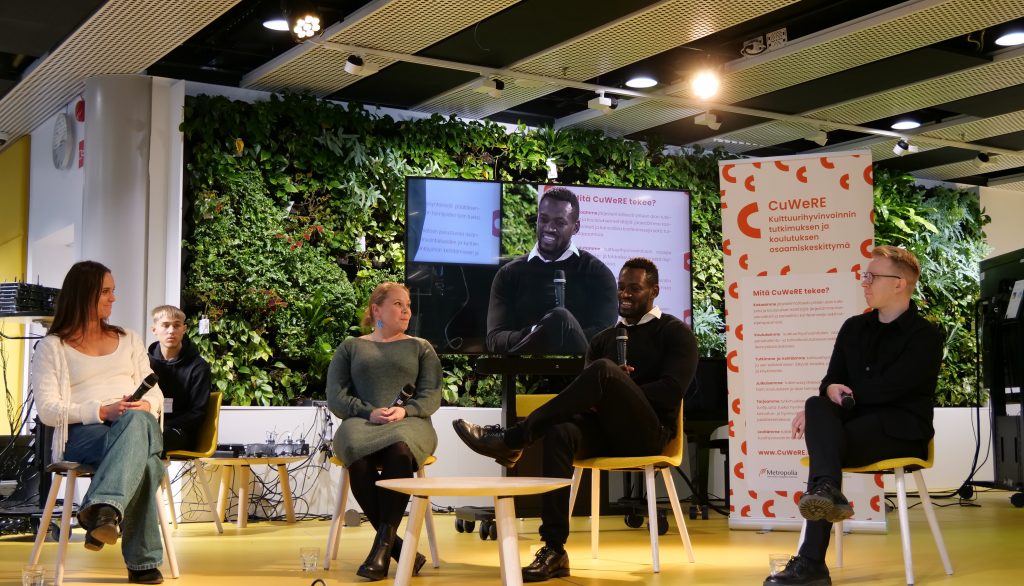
(670, 457)
(337, 520)
(72, 471)
(206, 445)
(898, 466)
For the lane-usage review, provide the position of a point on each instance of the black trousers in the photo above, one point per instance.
(603, 413)
(558, 332)
(176, 438)
(382, 506)
(835, 438)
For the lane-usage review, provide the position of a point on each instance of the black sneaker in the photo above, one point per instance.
(549, 563)
(150, 576)
(487, 441)
(801, 572)
(825, 502)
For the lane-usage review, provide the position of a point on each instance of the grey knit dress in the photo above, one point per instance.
(364, 375)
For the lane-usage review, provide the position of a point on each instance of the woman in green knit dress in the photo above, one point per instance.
(377, 440)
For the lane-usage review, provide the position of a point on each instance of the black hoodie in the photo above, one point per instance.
(186, 379)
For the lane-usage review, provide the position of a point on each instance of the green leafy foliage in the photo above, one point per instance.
(298, 211)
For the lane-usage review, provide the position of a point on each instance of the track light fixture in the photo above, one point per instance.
(903, 147)
(303, 19)
(708, 119)
(355, 65)
(820, 138)
(705, 84)
(491, 86)
(552, 168)
(601, 103)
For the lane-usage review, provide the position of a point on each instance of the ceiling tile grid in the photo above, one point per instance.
(970, 167)
(122, 37)
(638, 36)
(399, 25)
(627, 118)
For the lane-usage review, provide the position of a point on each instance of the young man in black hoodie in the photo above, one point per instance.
(184, 378)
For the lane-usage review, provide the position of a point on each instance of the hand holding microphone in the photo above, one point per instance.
(621, 341)
(391, 413)
(147, 383)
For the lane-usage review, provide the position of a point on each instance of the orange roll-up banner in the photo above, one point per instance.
(796, 232)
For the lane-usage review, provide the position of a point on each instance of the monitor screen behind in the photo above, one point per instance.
(451, 291)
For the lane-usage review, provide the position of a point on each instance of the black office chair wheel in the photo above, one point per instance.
(470, 526)
(634, 521)
(485, 529)
(1017, 499)
(493, 531)
(662, 522)
(693, 511)
(704, 511)
(460, 526)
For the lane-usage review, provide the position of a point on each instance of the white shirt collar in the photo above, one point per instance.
(535, 253)
(653, 314)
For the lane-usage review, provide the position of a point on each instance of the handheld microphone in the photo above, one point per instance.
(559, 288)
(847, 402)
(404, 395)
(621, 337)
(147, 383)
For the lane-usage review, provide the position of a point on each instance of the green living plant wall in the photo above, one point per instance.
(297, 212)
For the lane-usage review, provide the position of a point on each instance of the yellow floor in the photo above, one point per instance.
(984, 544)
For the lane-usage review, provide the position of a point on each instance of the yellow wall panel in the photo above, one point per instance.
(14, 174)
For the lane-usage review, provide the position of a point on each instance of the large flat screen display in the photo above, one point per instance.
(512, 268)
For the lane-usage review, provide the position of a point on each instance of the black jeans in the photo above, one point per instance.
(835, 438)
(602, 412)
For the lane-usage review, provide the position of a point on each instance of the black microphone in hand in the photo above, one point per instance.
(847, 402)
(559, 281)
(147, 383)
(621, 338)
(404, 395)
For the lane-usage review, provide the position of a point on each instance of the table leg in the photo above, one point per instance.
(286, 493)
(508, 541)
(244, 474)
(417, 512)
(222, 494)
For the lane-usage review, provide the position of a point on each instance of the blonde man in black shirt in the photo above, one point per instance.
(875, 402)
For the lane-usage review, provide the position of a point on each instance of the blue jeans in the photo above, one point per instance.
(126, 456)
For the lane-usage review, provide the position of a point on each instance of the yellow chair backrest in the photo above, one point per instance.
(206, 443)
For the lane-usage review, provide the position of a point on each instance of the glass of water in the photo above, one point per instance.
(32, 576)
(309, 557)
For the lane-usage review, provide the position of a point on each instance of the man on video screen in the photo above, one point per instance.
(554, 299)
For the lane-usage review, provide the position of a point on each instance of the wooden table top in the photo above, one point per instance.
(474, 485)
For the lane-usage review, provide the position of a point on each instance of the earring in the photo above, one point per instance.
(380, 324)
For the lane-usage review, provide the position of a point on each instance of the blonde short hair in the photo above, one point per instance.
(380, 293)
(171, 311)
(904, 261)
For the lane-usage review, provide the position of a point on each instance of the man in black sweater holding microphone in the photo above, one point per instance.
(620, 405)
(554, 299)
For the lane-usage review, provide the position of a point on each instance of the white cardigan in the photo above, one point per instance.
(51, 385)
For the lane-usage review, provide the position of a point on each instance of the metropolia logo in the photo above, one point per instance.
(771, 473)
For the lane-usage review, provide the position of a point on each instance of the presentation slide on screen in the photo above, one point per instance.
(460, 222)
(617, 224)
(789, 331)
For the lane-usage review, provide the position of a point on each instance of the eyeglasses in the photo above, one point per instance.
(868, 278)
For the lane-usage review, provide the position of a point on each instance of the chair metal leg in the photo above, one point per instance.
(334, 533)
(574, 489)
(901, 496)
(44, 523)
(933, 524)
(172, 558)
(65, 526)
(677, 511)
(595, 510)
(166, 483)
(839, 543)
(652, 515)
(435, 559)
(204, 482)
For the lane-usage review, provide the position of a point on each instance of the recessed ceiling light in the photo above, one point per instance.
(277, 24)
(642, 82)
(1010, 39)
(905, 125)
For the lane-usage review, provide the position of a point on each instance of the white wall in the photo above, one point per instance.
(1007, 211)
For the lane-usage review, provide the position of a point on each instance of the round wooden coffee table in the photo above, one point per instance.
(502, 489)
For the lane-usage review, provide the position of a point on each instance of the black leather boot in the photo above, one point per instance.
(396, 552)
(379, 561)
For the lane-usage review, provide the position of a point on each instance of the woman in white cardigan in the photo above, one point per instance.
(83, 375)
